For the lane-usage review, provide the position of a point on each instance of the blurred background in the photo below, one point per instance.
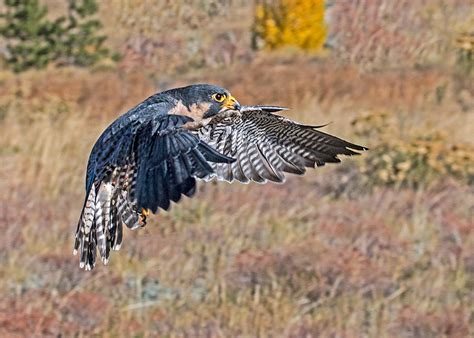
(379, 246)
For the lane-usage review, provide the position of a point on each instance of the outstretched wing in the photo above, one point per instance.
(266, 146)
(141, 163)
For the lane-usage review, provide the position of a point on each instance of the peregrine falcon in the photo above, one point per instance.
(153, 154)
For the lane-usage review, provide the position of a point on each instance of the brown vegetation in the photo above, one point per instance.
(337, 253)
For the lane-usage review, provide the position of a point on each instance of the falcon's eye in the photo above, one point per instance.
(218, 97)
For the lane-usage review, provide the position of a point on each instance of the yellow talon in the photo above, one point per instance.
(145, 212)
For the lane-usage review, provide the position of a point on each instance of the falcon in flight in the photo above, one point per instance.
(154, 153)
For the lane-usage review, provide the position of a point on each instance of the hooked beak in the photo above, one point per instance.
(230, 103)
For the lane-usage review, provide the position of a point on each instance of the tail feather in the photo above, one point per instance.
(117, 243)
(102, 217)
(100, 226)
(114, 233)
(127, 211)
(85, 234)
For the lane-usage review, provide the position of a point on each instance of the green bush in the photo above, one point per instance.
(34, 41)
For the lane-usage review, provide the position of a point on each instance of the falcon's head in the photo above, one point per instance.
(203, 101)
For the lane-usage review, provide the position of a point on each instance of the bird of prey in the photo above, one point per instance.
(154, 153)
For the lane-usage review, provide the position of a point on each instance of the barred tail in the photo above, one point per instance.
(100, 226)
(85, 241)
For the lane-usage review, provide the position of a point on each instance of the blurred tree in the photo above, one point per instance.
(297, 23)
(33, 41)
(27, 33)
(82, 46)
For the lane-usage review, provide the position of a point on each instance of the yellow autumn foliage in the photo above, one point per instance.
(298, 23)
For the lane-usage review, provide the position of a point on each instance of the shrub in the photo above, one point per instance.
(297, 23)
(413, 162)
(34, 41)
(465, 49)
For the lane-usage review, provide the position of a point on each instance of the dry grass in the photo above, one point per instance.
(237, 260)
(318, 256)
(381, 34)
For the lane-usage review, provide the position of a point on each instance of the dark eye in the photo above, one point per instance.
(218, 97)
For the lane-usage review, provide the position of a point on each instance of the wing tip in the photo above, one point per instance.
(347, 144)
(356, 147)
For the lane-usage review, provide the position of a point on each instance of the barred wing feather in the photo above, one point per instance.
(266, 146)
